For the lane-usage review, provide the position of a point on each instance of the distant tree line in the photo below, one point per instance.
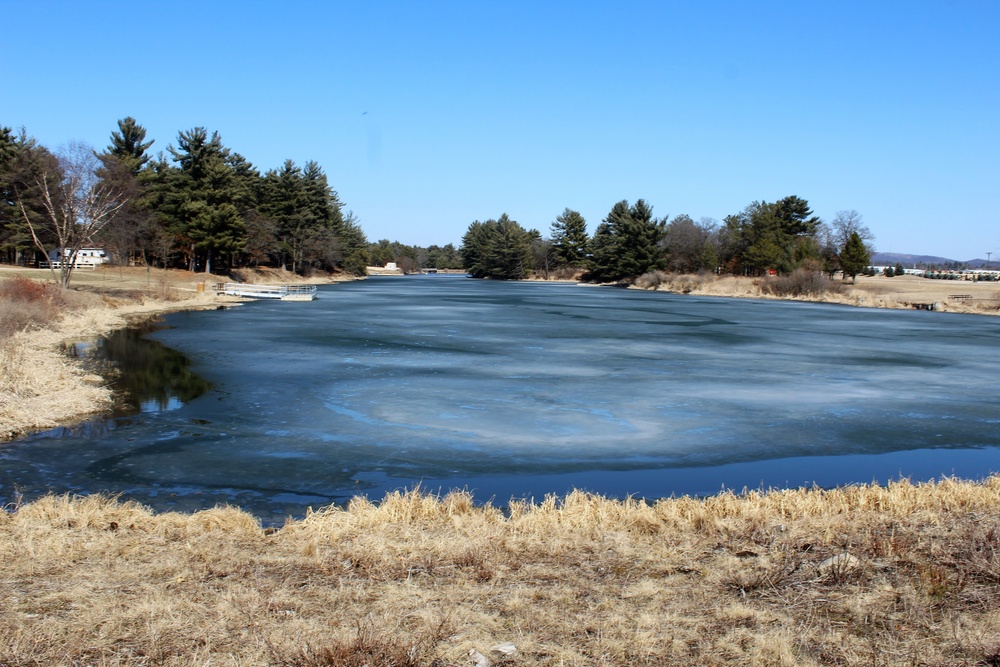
(765, 237)
(199, 206)
(411, 259)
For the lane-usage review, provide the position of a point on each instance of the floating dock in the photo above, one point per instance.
(282, 292)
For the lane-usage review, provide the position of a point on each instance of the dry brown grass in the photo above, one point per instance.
(875, 292)
(40, 387)
(903, 575)
(801, 283)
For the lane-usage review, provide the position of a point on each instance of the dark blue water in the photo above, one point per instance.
(514, 389)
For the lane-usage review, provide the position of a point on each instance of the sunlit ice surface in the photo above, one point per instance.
(521, 389)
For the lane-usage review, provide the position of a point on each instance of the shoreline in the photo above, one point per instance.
(47, 389)
(860, 575)
(51, 390)
(896, 293)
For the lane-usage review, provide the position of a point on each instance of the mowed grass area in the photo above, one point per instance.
(901, 575)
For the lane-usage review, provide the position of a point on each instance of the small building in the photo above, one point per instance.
(86, 258)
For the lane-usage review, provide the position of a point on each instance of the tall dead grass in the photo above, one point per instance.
(40, 387)
(801, 283)
(904, 574)
(683, 283)
(26, 303)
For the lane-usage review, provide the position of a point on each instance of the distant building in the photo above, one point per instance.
(86, 258)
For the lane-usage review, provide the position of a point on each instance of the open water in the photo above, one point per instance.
(522, 390)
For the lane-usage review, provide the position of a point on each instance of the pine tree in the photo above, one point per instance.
(286, 202)
(627, 243)
(570, 242)
(22, 163)
(201, 198)
(854, 257)
(498, 249)
(127, 145)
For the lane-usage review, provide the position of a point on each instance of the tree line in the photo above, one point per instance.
(765, 237)
(200, 206)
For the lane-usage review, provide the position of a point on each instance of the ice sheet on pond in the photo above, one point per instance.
(394, 381)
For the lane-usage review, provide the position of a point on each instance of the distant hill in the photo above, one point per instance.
(885, 258)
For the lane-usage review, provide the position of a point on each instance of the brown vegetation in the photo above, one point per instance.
(26, 304)
(904, 575)
(801, 283)
(40, 387)
(902, 292)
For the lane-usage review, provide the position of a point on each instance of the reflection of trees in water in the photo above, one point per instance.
(143, 371)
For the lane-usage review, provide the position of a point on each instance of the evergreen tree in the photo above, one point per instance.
(337, 241)
(202, 203)
(569, 239)
(443, 257)
(162, 238)
(627, 243)
(127, 145)
(854, 257)
(353, 244)
(775, 235)
(709, 260)
(498, 249)
(285, 202)
(122, 163)
(21, 162)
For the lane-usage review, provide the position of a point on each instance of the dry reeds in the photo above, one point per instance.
(904, 574)
(26, 304)
(39, 386)
(801, 283)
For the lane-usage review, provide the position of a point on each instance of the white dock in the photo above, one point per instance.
(282, 292)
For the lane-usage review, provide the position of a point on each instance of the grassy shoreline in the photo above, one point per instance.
(907, 574)
(41, 387)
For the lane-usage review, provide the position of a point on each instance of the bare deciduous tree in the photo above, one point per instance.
(77, 203)
(846, 223)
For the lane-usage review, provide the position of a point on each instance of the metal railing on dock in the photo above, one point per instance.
(283, 292)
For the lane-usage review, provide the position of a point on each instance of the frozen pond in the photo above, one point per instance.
(516, 389)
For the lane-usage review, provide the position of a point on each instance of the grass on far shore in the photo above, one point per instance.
(907, 574)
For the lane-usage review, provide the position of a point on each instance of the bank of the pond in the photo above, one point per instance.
(898, 292)
(42, 388)
(862, 575)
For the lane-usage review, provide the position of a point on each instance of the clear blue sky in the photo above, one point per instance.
(429, 115)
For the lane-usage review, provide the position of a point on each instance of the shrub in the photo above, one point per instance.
(28, 291)
(687, 283)
(800, 283)
(566, 273)
(27, 303)
(651, 280)
(164, 291)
